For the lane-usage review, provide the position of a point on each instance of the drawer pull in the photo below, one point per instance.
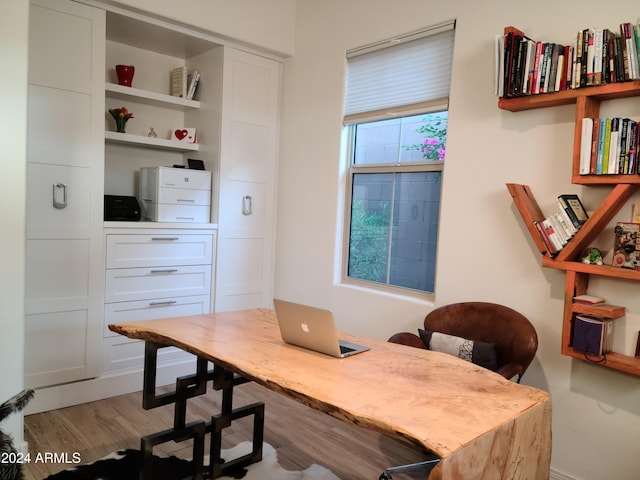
(168, 302)
(159, 239)
(165, 270)
(186, 200)
(185, 218)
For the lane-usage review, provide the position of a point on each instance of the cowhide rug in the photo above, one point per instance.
(124, 465)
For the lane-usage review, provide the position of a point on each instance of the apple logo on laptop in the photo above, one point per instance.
(305, 327)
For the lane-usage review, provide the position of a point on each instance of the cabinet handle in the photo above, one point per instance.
(56, 203)
(165, 270)
(186, 218)
(186, 200)
(158, 239)
(247, 205)
(168, 302)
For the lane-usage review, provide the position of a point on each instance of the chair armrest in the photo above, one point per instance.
(406, 338)
(510, 370)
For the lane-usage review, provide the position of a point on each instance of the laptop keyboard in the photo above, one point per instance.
(344, 349)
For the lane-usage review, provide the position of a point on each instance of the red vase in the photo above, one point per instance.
(125, 74)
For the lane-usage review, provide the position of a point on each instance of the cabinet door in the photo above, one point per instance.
(247, 174)
(59, 201)
(65, 172)
(58, 126)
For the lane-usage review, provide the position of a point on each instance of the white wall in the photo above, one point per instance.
(13, 157)
(485, 252)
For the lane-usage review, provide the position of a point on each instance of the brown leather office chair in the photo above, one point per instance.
(515, 338)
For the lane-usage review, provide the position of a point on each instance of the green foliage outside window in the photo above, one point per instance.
(433, 147)
(369, 243)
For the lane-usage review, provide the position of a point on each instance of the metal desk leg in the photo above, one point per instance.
(188, 387)
(225, 380)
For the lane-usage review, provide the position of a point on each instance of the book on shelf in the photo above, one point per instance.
(553, 235)
(179, 82)
(588, 299)
(575, 210)
(585, 145)
(595, 146)
(192, 79)
(626, 246)
(597, 56)
(591, 335)
(549, 246)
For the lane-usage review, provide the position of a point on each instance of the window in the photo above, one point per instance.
(396, 117)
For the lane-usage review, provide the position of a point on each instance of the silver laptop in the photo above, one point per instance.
(312, 328)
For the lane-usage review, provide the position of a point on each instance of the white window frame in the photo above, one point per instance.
(352, 169)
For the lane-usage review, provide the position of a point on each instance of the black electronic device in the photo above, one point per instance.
(121, 208)
(195, 164)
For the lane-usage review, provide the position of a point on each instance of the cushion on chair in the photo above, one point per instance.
(480, 353)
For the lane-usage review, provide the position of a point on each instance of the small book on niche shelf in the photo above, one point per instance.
(179, 82)
(591, 335)
(588, 299)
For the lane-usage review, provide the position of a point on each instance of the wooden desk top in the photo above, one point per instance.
(432, 400)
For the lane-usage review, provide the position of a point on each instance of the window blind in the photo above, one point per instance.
(403, 73)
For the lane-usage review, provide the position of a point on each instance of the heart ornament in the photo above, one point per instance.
(187, 135)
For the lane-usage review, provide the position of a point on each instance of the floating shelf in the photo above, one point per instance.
(125, 138)
(568, 97)
(114, 90)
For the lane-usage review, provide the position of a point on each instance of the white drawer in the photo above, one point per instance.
(183, 196)
(124, 251)
(124, 354)
(129, 284)
(151, 309)
(160, 212)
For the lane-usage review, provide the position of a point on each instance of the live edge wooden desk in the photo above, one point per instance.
(480, 425)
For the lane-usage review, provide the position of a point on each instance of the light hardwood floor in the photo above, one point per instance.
(301, 436)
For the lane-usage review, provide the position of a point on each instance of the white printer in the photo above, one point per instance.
(175, 195)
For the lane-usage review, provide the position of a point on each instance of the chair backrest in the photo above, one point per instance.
(512, 333)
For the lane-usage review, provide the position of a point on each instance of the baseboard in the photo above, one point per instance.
(557, 475)
(111, 385)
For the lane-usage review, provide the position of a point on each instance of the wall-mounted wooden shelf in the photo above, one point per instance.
(587, 101)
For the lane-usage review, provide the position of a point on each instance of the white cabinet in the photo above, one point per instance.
(64, 282)
(82, 272)
(153, 273)
(248, 152)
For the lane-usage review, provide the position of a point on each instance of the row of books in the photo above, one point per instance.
(609, 146)
(184, 84)
(558, 228)
(598, 56)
